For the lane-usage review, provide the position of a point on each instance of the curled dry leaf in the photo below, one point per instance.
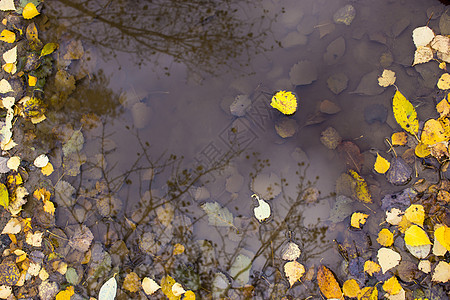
(293, 271)
(150, 286)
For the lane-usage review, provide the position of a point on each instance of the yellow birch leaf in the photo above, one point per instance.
(388, 259)
(132, 282)
(442, 235)
(166, 287)
(391, 286)
(284, 101)
(42, 194)
(422, 150)
(385, 237)
(381, 164)
(416, 236)
(444, 82)
(10, 68)
(443, 107)
(49, 207)
(328, 284)
(32, 80)
(422, 55)
(49, 48)
(442, 66)
(47, 170)
(432, 133)
(7, 36)
(65, 294)
(29, 11)
(351, 288)
(178, 249)
(368, 293)
(361, 191)
(149, 286)
(442, 272)
(405, 114)
(399, 138)
(293, 271)
(415, 214)
(4, 196)
(189, 295)
(371, 267)
(404, 224)
(358, 219)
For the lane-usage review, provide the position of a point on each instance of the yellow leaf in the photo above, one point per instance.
(361, 191)
(443, 107)
(4, 196)
(432, 132)
(415, 214)
(368, 293)
(405, 114)
(178, 249)
(32, 32)
(65, 294)
(32, 80)
(37, 120)
(385, 237)
(189, 295)
(328, 284)
(132, 282)
(358, 219)
(416, 236)
(293, 271)
(351, 288)
(29, 11)
(10, 68)
(399, 138)
(442, 66)
(422, 150)
(49, 207)
(391, 286)
(47, 170)
(284, 101)
(371, 267)
(166, 286)
(42, 194)
(444, 82)
(49, 48)
(149, 286)
(381, 164)
(7, 36)
(442, 235)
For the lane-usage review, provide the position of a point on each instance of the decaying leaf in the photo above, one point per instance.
(444, 82)
(34, 239)
(381, 164)
(385, 237)
(166, 287)
(405, 114)
(422, 55)
(217, 215)
(108, 290)
(328, 284)
(371, 267)
(361, 190)
(358, 219)
(433, 133)
(387, 78)
(388, 258)
(131, 282)
(291, 251)
(443, 107)
(415, 214)
(368, 293)
(49, 48)
(285, 101)
(293, 271)
(399, 138)
(422, 150)
(240, 269)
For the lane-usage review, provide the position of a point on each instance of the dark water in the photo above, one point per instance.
(162, 77)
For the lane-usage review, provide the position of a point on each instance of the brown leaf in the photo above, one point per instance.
(328, 284)
(351, 154)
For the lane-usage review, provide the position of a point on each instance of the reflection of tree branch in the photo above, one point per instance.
(197, 33)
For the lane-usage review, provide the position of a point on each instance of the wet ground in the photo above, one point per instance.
(171, 70)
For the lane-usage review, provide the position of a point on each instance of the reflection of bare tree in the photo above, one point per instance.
(198, 33)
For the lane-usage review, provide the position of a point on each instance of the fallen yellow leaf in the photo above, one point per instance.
(358, 219)
(29, 11)
(444, 82)
(382, 165)
(405, 114)
(361, 191)
(371, 267)
(422, 150)
(399, 138)
(293, 271)
(443, 107)
(351, 288)
(391, 286)
(65, 294)
(368, 293)
(416, 236)
(442, 235)
(285, 101)
(328, 284)
(433, 133)
(415, 214)
(7, 36)
(385, 237)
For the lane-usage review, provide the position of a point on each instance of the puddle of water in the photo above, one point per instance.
(171, 92)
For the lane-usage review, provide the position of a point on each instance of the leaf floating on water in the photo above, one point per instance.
(415, 214)
(7, 36)
(150, 286)
(391, 286)
(108, 290)
(433, 133)
(10, 56)
(442, 272)
(405, 114)
(422, 150)
(381, 164)
(358, 219)
(387, 78)
(291, 252)
(6, 5)
(388, 258)
(371, 267)
(399, 139)
(4, 196)
(65, 294)
(416, 236)
(293, 271)
(328, 284)
(442, 235)
(217, 215)
(385, 237)
(422, 55)
(422, 36)
(262, 211)
(285, 101)
(351, 288)
(444, 82)
(361, 191)
(29, 11)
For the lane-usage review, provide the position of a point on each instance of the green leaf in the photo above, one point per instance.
(49, 48)
(405, 114)
(4, 196)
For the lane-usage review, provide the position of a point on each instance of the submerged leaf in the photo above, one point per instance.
(240, 269)
(217, 215)
(361, 191)
(405, 114)
(49, 48)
